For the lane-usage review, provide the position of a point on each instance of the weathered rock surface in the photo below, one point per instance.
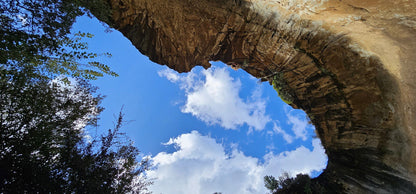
(350, 65)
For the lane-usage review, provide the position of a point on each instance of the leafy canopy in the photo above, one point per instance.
(43, 144)
(42, 141)
(37, 32)
(302, 183)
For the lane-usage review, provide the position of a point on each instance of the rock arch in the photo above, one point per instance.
(348, 64)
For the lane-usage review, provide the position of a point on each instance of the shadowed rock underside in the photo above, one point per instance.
(349, 64)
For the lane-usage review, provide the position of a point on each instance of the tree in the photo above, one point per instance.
(271, 183)
(42, 144)
(113, 163)
(43, 117)
(37, 32)
(302, 183)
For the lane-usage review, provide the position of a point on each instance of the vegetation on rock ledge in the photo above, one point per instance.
(282, 88)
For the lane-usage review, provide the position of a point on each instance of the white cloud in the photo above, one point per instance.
(215, 99)
(299, 127)
(299, 124)
(200, 165)
(169, 74)
(301, 160)
(277, 129)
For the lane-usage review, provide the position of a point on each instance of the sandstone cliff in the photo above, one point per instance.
(349, 64)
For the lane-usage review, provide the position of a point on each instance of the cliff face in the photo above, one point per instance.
(349, 64)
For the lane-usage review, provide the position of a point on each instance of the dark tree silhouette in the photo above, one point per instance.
(302, 183)
(42, 144)
(44, 115)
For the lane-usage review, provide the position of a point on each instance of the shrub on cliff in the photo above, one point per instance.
(282, 88)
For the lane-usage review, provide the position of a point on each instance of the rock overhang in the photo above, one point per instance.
(348, 64)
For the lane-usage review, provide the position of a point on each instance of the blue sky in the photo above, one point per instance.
(215, 130)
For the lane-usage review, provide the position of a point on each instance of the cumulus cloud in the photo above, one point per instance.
(169, 74)
(200, 165)
(278, 130)
(299, 124)
(213, 97)
(300, 160)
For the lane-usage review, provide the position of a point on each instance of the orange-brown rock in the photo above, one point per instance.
(350, 65)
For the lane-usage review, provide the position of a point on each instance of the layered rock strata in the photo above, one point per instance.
(349, 64)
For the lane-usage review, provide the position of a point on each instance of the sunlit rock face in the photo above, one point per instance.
(350, 65)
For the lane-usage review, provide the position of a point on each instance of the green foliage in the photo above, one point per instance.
(271, 183)
(68, 59)
(42, 144)
(35, 32)
(42, 120)
(282, 88)
(107, 166)
(300, 184)
(33, 28)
